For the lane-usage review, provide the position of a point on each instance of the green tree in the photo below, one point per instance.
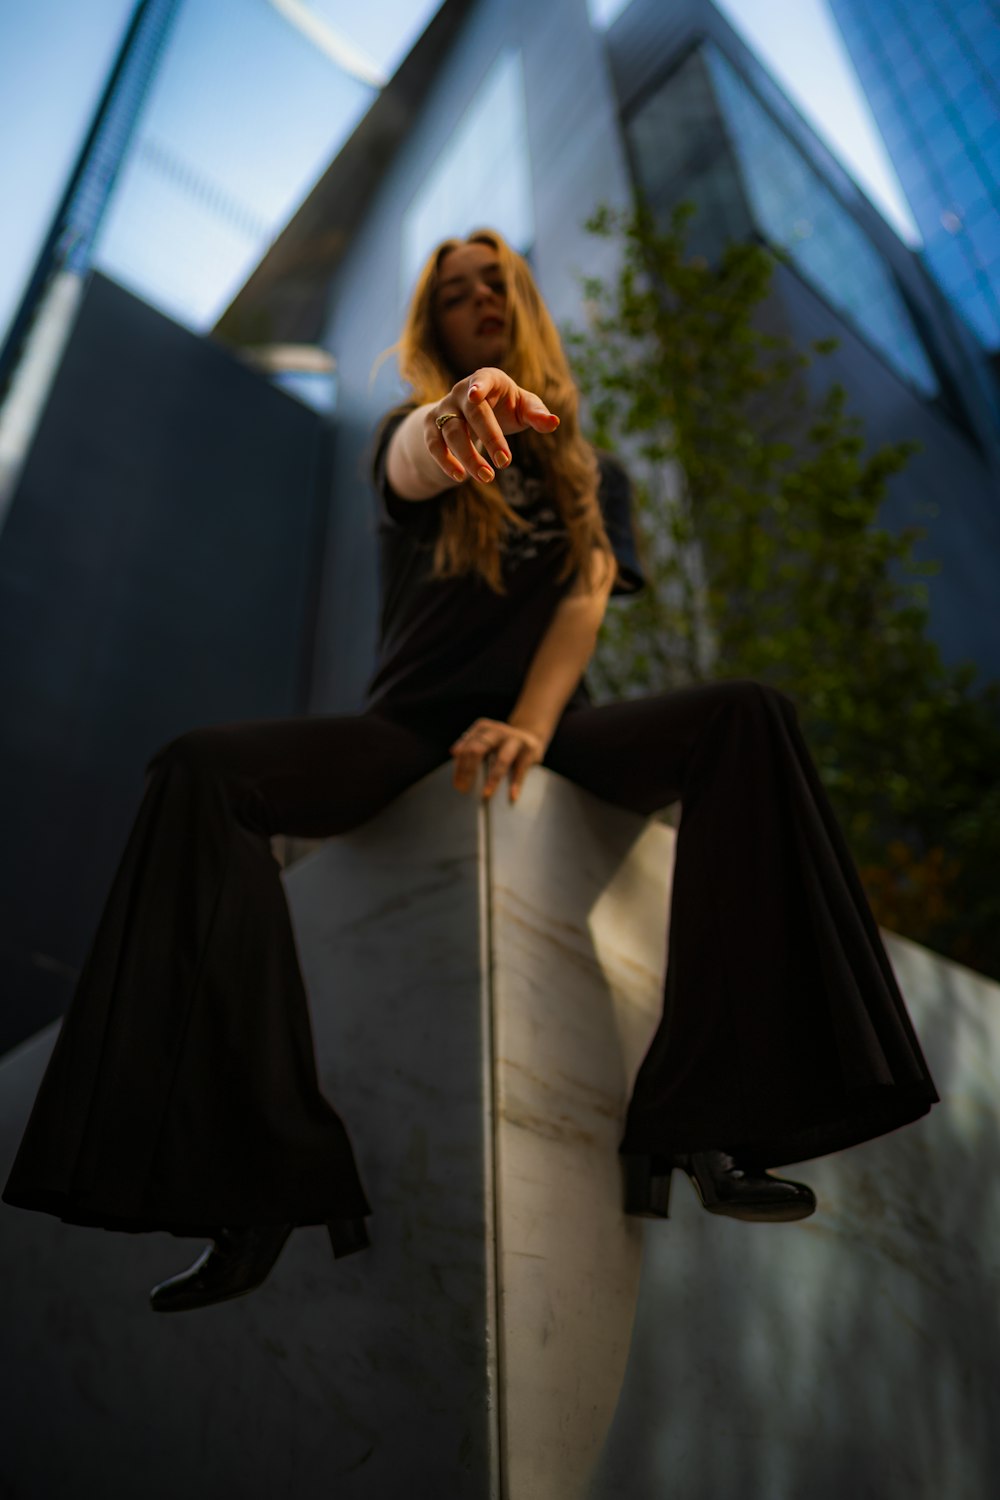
(757, 514)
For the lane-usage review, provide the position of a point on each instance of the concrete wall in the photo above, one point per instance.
(412, 1368)
(484, 983)
(854, 1353)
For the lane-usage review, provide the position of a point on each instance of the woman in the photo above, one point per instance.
(182, 1091)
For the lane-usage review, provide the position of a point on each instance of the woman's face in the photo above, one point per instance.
(470, 305)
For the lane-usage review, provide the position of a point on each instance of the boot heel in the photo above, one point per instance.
(647, 1191)
(347, 1236)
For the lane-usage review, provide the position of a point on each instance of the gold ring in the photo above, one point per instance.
(444, 417)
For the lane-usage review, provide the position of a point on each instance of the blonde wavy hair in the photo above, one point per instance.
(474, 515)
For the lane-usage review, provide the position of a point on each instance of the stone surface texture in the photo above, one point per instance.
(484, 982)
(855, 1352)
(580, 895)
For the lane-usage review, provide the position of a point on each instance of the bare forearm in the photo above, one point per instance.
(558, 664)
(521, 740)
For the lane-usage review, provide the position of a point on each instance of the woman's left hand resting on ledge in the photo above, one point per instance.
(514, 750)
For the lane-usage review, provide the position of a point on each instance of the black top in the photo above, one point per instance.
(454, 638)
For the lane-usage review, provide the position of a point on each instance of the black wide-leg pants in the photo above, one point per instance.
(182, 1091)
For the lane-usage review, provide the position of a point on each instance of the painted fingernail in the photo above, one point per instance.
(501, 459)
(485, 474)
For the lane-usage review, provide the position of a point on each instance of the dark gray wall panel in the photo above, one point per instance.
(948, 473)
(157, 571)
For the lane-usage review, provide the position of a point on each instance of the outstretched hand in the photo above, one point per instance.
(486, 406)
(514, 750)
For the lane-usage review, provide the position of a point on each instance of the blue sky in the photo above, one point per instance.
(263, 137)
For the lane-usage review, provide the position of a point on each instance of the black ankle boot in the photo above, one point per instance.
(347, 1236)
(721, 1182)
(237, 1261)
(240, 1259)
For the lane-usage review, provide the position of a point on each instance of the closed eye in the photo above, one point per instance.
(497, 287)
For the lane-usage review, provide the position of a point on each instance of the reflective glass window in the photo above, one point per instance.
(795, 209)
(988, 51)
(984, 214)
(603, 13)
(987, 249)
(949, 256)
(966, 184)
(921, 12)
(980, 314)
(926, 200)
(923, 97)
(955, 74)
(245, 114)
(903, 138)
(880, 89)
(947, 47)
(978, 111)
(983, 34)
(897, 48)
(910, 72)
(680, 150)
(942, 128)
(910, 153)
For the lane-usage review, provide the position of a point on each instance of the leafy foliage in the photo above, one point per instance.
(757, 518)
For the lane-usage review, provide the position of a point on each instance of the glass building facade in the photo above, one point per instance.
(217, 129)
(483, 175)
(931, 71)
(703, 134)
